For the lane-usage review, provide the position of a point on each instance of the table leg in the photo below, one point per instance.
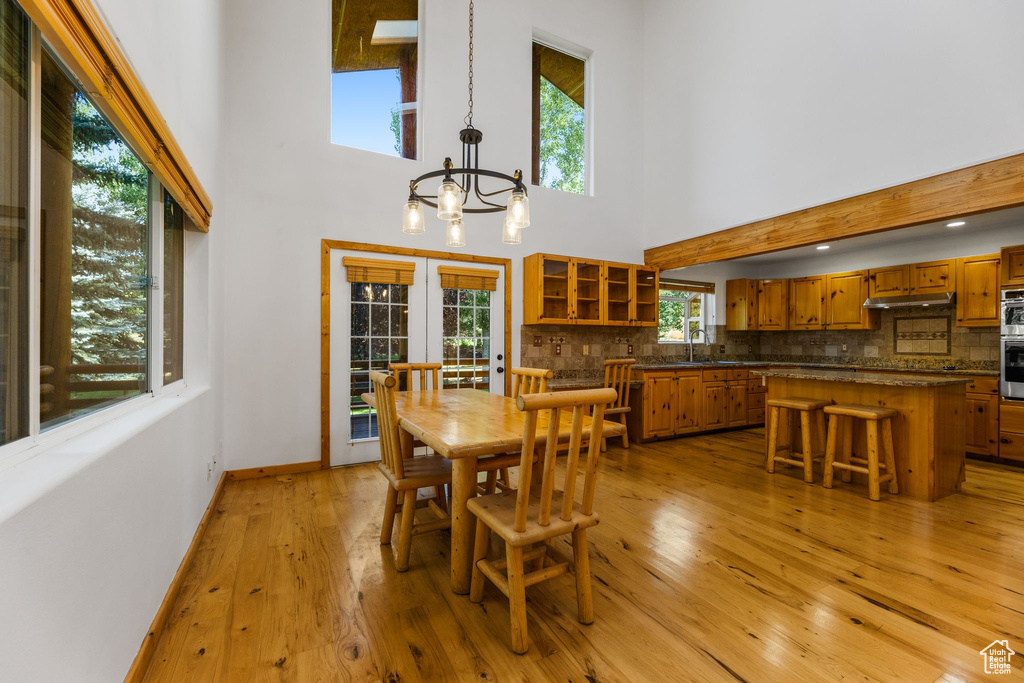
(463, 488)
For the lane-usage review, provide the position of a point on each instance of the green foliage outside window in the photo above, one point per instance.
(562, 140)
(679, 315)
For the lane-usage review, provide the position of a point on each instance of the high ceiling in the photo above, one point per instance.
(353, 24)
(565, 72)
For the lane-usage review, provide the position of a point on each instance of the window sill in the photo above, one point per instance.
(68, 449)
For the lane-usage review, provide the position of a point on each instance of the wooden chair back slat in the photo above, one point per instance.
(387, 422)
(553, 403)
(529, 381)
(618, 373)
(406, 370)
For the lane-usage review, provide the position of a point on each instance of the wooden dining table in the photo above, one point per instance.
(464, 425)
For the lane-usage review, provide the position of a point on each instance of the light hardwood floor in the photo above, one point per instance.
(705, 568)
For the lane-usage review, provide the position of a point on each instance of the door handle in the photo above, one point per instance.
(500, 370)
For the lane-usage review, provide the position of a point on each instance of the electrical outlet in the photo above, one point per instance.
(629, 350)
(558, 349)
(845, 349)
(586, 349)
(750, 348)
(721, 348)
(537, 341)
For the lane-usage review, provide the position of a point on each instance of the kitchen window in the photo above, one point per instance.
(684, 307)
(559, 119)
(374, 76)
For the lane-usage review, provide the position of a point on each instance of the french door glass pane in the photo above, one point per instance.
(380, 336)
(466, 343)
(14, 115)
(174, 290)
(94, 303)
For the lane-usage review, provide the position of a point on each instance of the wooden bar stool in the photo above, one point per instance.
(780, 410)
(871, 415)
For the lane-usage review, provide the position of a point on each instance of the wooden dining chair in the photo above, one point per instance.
(528, 524)
(423, 370)
(524, 381)
(405, 475)
(618, 373)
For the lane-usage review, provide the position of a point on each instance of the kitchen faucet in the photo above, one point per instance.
(696, 331)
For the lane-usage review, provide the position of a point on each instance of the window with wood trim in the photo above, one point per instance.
(559, 121)
(684, 308)
(374, 65)
(174, 290)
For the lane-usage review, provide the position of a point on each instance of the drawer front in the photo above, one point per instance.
(1011, 418)
(1011, 446)
(755, 401)
(715, 375)
(755, 416)
(739, 374)
(983, 385)
(754, 386)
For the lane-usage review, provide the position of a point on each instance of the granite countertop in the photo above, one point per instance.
(697, 365)
(584, 383)
(855, 377)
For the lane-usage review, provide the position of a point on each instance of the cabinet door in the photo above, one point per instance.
(933, 277)
(891, 281)
(773, 304)
(659, 399)
(688, 403)
(977, 292)
(737, 397)
(846, 295)
(555, 289)
(807, 303)
(982, 424)
(617, 294)
(587, 291)
(716, 406)
(741, 305)
(1013, 266)
(645, 281)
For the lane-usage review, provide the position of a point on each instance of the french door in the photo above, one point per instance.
(374, 324)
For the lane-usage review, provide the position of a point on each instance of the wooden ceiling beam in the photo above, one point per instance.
(990, 186)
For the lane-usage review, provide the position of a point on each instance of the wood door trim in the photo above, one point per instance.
(981, 188)
(326, 245)
(140, 665)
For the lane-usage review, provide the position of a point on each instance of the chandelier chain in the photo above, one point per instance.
(469, 117)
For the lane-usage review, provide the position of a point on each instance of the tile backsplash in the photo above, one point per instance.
(934, 341)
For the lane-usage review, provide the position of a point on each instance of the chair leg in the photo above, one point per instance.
(873, 484)
(805, 437)
(847, 450)
(388, 525)
(890, 455)
(503, 477)
(517, 598)
(480, 544)
(625, 434)
(830, 451)
(442, 499)
(773, 438)
(819, 424)
(405, 531)
(604, 445)
(581, 560)
(492, 482)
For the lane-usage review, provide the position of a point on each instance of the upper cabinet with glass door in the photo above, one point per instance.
(566, 290)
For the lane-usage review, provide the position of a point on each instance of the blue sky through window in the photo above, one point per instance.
(361, 104)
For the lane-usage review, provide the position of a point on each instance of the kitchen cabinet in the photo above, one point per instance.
(773, 304)
(716, 406)
(741, 305)
(982, 424)
(564, 290)
(688, 403)
(933, 277)
(891, 281)
(977, 291)
(807, 303)
(659, 405)
(1013, 266)
(1011, 430)
(846, 293)
(736, 397)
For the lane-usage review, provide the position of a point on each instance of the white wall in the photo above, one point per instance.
(288, 187)
(753, 109)
(92, 528)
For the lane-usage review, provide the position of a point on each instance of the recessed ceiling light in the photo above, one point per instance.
(956, 224)
(821, 247)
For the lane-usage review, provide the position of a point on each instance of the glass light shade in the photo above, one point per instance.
(456, 234)
(449, 200)
(518, 209)
(412, 218)
(510, 234)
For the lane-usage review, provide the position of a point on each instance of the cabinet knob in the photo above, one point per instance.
(959, 320)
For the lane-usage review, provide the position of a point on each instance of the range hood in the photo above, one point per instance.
(910, 300)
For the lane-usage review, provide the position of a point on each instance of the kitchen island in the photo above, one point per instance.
(928, 432)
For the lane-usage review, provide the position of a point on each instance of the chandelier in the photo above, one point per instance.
(458, 184)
